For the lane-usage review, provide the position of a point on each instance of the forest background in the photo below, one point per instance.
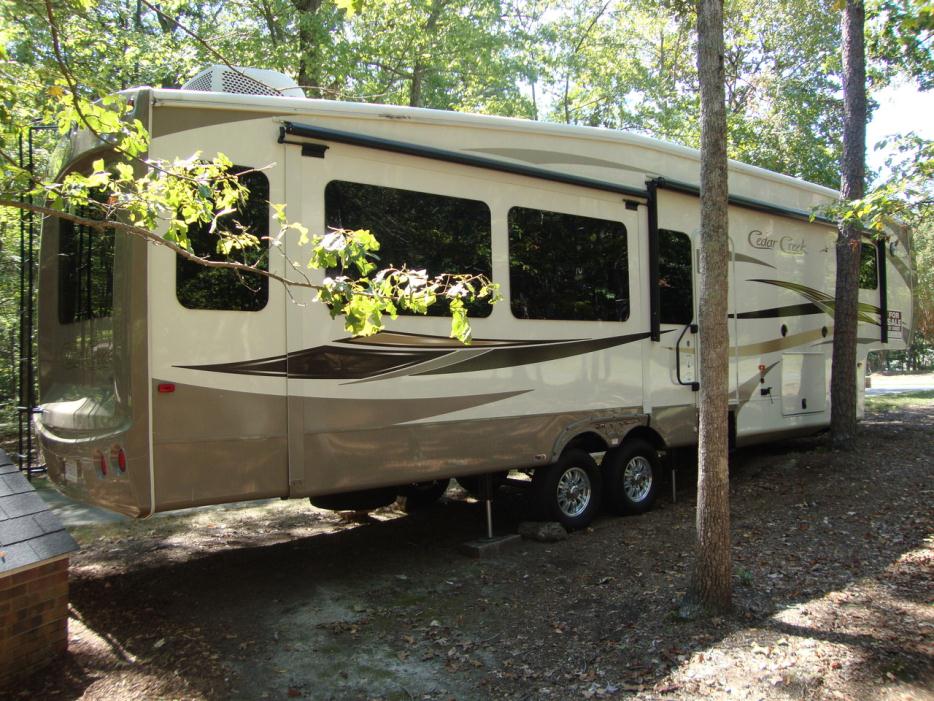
(619, 64)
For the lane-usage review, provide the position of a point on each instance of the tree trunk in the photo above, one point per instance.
(419, 68)
(308, 46)
(710, 586)
(843, 372)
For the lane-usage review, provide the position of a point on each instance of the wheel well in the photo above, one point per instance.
(646, 434)
(591, 442)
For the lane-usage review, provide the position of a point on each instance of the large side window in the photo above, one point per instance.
(200, 287)
(563, 266)
(868, 270)
(675, 283)
(422, 231)
(85, 271)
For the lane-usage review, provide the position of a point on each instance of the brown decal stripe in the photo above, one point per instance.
(418, 340)
(273, 367)
(326, 363)
(513, 357)
(790, 310)
(350, 363)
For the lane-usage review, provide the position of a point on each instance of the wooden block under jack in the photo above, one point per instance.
(489, 547)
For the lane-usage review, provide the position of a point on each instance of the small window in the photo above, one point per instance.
(675, 283)
(868, 272)
(85, 270)
(563, 266)
(415, 229)
(199, 287)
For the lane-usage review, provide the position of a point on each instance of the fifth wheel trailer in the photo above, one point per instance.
(167, 385)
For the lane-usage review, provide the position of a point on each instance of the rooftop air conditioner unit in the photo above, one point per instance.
(249, 81)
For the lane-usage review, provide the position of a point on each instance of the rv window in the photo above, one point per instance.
(198, 287)
(563, 266)
(440, 234)
(868, 275)
(85, 271)
(675, 283)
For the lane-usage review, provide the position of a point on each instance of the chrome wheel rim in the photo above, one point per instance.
(574, 492)
(637, 478)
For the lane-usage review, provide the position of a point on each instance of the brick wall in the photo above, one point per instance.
(33, 618)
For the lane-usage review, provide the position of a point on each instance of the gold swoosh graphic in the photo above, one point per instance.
(825, 301)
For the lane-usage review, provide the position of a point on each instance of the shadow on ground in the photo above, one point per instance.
(287, 604)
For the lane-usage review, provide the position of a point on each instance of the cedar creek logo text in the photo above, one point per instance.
(785, 244)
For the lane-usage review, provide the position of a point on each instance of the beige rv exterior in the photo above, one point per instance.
(280, 402)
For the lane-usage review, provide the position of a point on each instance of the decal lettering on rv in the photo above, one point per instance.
(786, 244)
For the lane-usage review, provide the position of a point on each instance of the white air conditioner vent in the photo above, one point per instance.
(248, 81)
(235, 82)
(202, 82)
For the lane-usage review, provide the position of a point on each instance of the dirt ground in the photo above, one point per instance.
(834, 591)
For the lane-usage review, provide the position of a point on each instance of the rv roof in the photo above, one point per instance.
(307, 107)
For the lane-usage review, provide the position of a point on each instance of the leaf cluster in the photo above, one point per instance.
(364, 299)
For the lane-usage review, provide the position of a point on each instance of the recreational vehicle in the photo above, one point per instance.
(165, 384)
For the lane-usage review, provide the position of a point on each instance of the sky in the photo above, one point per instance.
(902, 108)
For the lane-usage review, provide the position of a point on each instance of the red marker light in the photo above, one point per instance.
(166, 388)
(121, 460)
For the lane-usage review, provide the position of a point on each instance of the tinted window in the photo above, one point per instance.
(85, 271)
(868, 274)
(563, 266)
(418, 230)
(198, 287)
(675, 284)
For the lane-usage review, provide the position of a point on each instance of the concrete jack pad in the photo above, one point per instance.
(484, 548)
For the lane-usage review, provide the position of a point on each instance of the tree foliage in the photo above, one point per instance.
(615, 63)
(901, 39)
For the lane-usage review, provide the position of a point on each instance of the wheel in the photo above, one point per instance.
(422, 494)
(631, 474)
(569, 490)
(472, 483)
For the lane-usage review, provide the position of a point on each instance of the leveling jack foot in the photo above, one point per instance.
(489, 547)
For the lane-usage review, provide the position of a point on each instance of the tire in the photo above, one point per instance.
(568, 491)
(630, 474)
(422, 494)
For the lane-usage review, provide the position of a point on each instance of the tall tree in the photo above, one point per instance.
(710, 587)
(629, 65)
(853, 178)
